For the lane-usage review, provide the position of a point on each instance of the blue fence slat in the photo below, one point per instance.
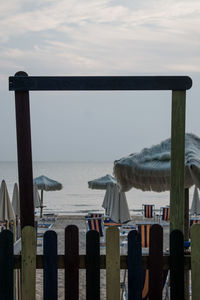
(92, 265)
(134, 266)
(50, 265)
(7, 265)
(176, 265)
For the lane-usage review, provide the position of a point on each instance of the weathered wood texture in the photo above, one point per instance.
(177, 161)
(28, 267)
(195, 261)
(24, 152)
(112, 263)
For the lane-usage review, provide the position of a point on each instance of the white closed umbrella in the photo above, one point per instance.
(195, 208)
(115, 204)
(6, 210)
(36, 196)
(15, 200)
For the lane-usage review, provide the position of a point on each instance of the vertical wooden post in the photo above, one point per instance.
(195, 261)
(24, 156)
(177, 161)
(28, 263)
(112, 264)
(186, 238)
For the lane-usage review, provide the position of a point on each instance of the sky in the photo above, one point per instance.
(97, 37)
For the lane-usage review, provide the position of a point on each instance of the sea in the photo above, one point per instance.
(76, 198)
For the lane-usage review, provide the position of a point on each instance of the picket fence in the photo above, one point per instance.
(71, 262)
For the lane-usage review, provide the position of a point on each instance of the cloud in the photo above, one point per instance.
(99, 37)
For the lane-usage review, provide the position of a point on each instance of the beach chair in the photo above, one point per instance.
(164, 215)
(144, 230)
(95, 223)
(49, 217)
(148, 211)
(110, 222)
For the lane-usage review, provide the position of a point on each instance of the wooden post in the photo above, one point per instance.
(24, 155)
(177, 161)
(195, 261)
(112, 264)
(186, 238)
(28, 263)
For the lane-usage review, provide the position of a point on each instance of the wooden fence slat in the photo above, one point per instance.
(92, 265)
(195, 260)
(156, 262)
(112, 263)
(177, 160)
(50, 265)
(134, 266)
(28, 267)
(6, 265)
(71, 263)
(176, 265)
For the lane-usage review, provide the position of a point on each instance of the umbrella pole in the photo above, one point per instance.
(41, 204)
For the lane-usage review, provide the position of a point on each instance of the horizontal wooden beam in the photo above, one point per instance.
(97, 83)
(82, 262)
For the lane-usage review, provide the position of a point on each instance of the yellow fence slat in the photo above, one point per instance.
(28, 266)
(195, 261)
(113, 263)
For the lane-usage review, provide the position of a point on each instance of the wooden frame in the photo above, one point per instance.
(21, 83)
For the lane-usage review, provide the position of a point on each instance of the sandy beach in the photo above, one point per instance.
(59, 226)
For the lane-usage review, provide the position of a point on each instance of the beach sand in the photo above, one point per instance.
(79, 221)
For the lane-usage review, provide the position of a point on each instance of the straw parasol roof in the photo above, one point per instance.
(149, 170)
(44, 183)
(102, 182)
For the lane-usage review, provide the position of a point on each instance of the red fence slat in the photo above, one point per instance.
(71, 263)
(156, 262)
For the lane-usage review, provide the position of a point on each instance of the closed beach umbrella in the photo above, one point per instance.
(195, 208)
(15, 200)
(36, 196)
(149, 170)
(115, 204)
(6, 210)
(102, 182)
(46, 184)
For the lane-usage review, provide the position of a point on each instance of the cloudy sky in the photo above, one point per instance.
(97, 37)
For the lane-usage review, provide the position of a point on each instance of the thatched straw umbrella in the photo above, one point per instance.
(46, 184)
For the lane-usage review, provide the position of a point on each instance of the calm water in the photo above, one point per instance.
(75, 197)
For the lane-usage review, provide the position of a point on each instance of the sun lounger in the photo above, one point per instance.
(148, 211)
